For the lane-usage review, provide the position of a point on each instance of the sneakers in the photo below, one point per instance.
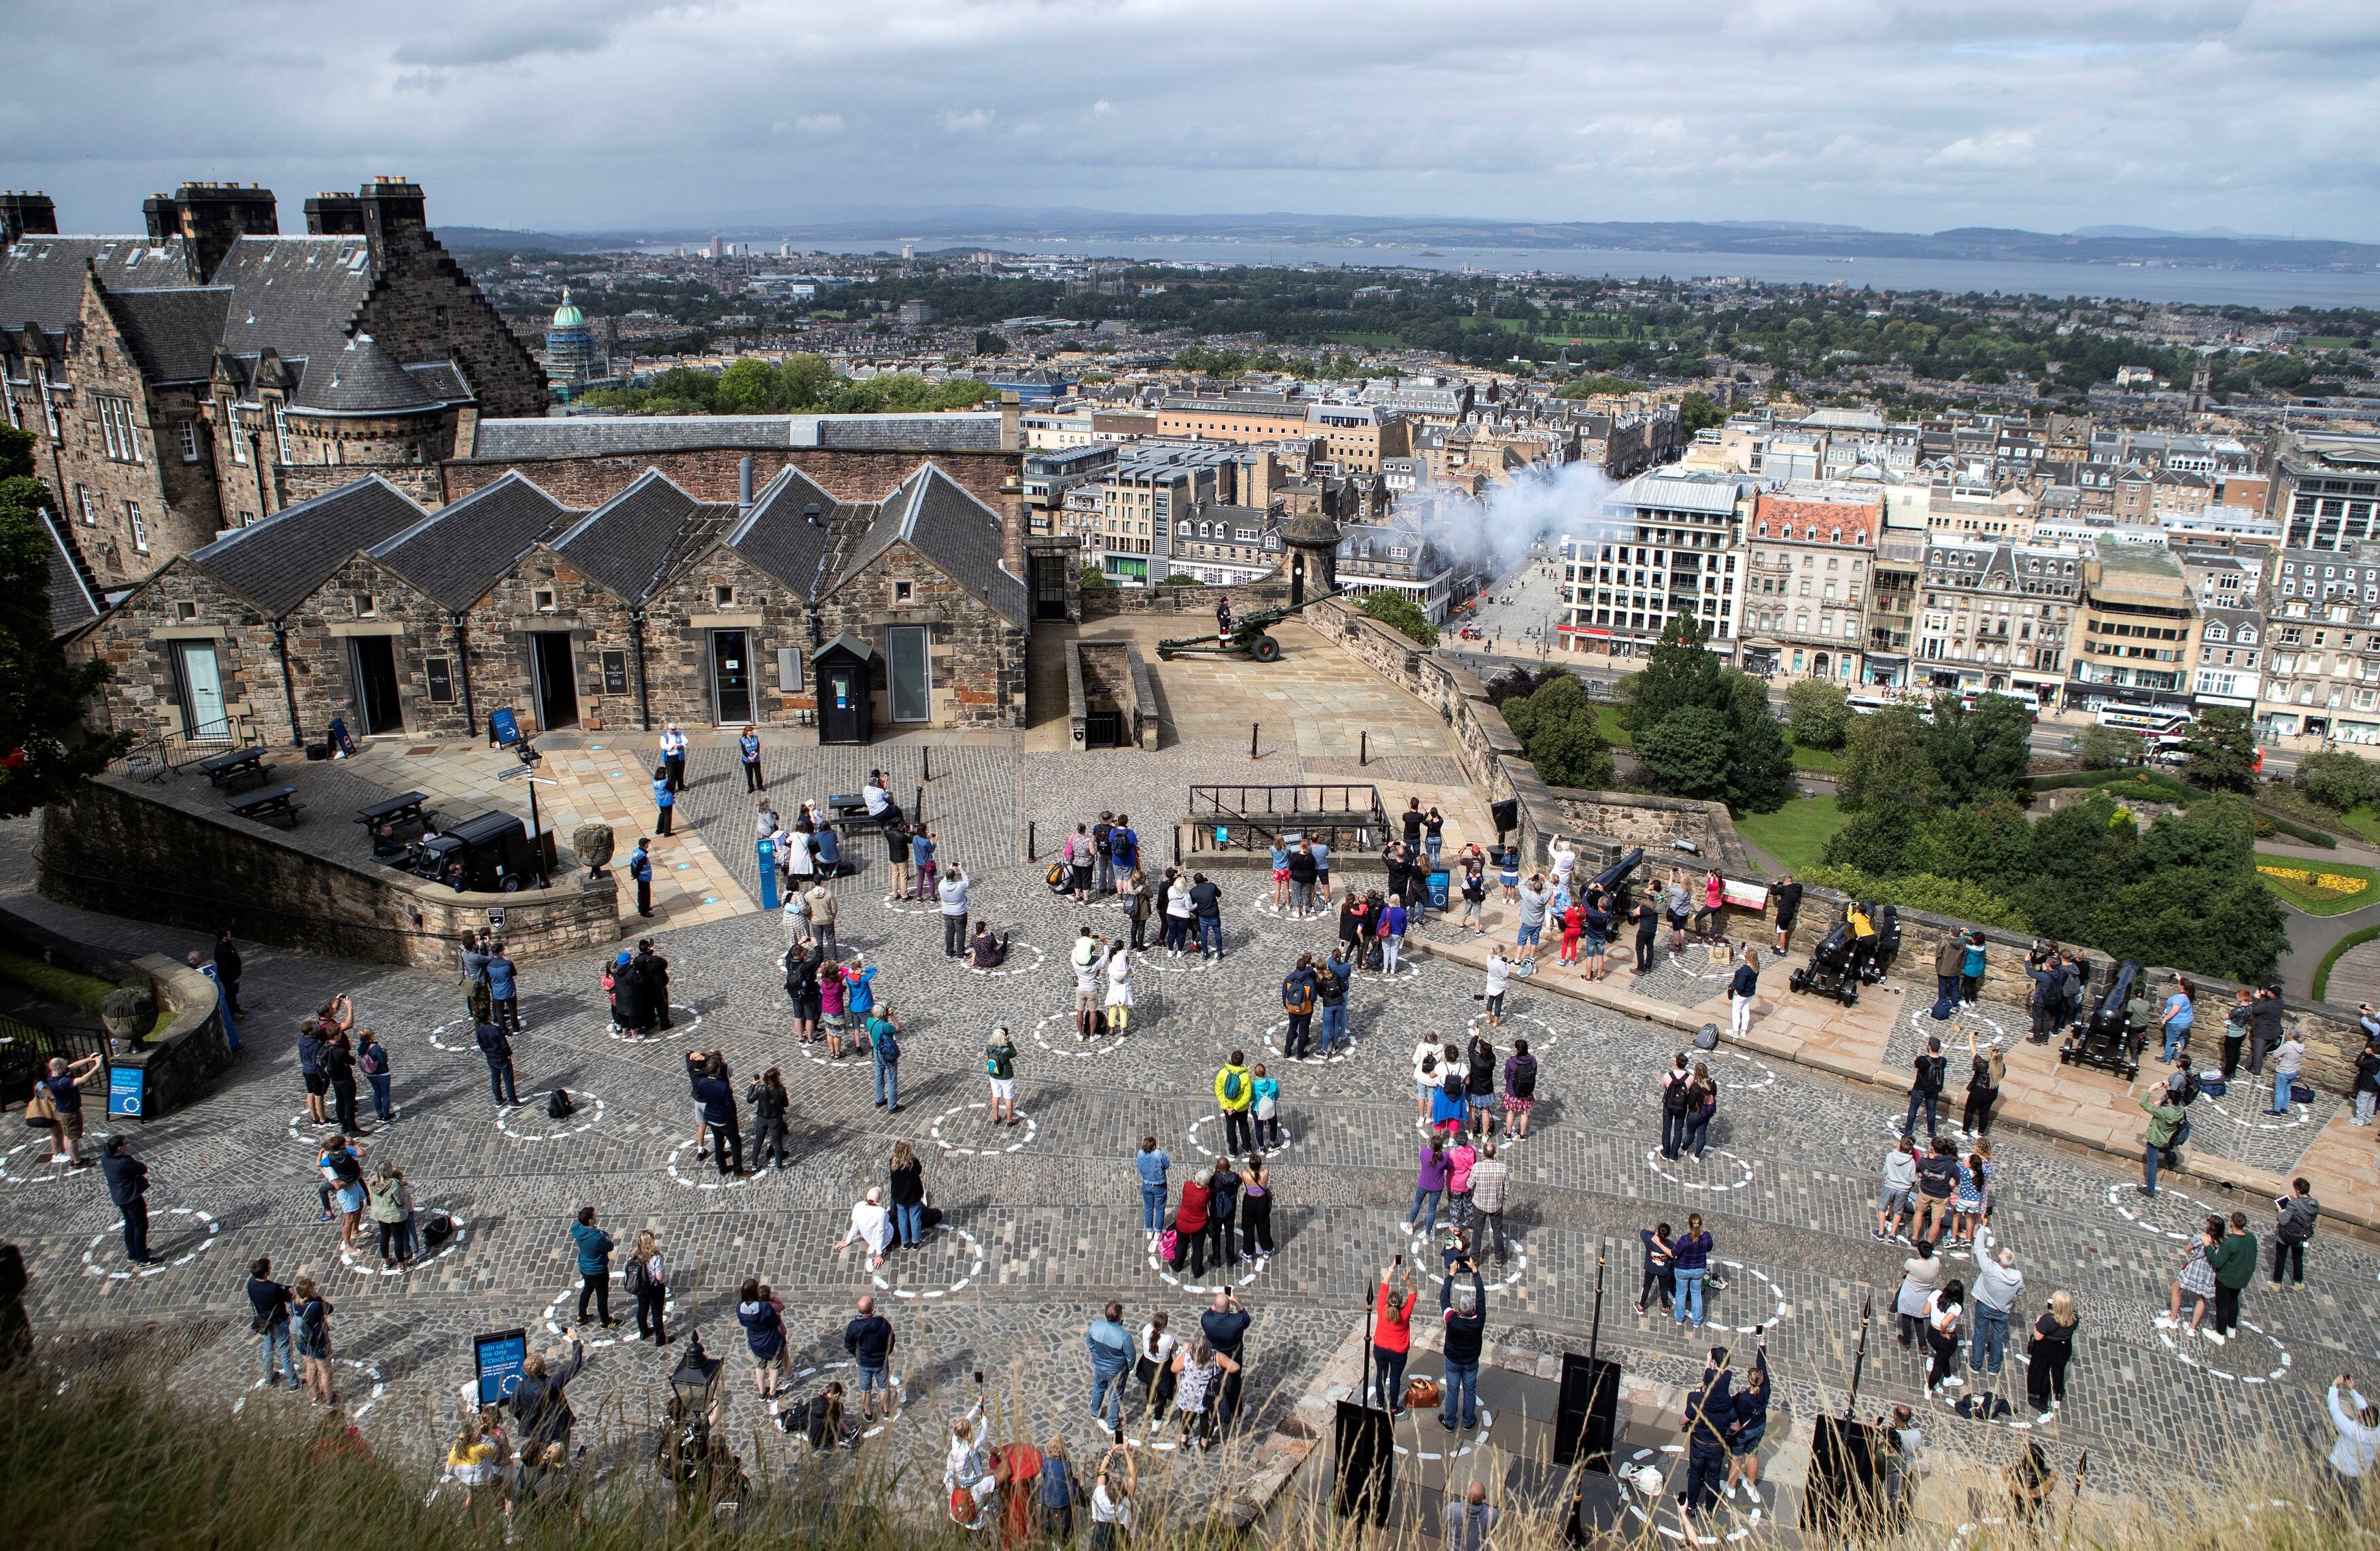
(2167, 1322)
(2217, 1336)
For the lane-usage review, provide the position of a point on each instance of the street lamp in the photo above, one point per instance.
(696, 1378)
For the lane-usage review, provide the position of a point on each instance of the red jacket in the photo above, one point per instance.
(1193, 1216)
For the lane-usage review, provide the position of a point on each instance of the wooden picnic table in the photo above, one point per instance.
(412, 807)
(279, 802)
(236, 764)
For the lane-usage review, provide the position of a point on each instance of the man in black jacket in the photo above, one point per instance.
(716, 1094)
(1925, 1090)
(1467, 1334)
(498, 1050)
(2264, 1027)
(127, 1186)
(654, 971)
(869, 1339)
(539, 1400)
(1787, 898)
(227, 967)
(1649, 928)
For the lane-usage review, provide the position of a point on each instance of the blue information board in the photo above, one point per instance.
(769, 900)
(126, 1087)
(504, 727)
(498, 1357)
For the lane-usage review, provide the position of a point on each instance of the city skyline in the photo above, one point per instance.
(623, 114)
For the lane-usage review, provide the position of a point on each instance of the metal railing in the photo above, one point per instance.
(1347, 818)
(24, 1053)
(166, 754)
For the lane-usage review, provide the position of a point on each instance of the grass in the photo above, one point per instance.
(2319, 888)
(2156, 785)
(1606, 721)
(1796, 834)
(60, 985)
(1824, 761)
(2363, 819)
(2338, 950)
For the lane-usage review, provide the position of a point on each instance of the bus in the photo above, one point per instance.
(2149, 722)
(2020, 695)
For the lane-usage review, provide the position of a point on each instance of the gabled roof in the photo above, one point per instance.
(849, 643)
(173, 331)
(74, 592)
(297, 295)
(276, 563)
(936, 515)
(779, 537)
(457, 553)
(40, 276)
(633, 541)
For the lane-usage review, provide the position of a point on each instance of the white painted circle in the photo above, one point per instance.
(1190, 961)
(1544, 1039)
(348, 1258)
(1479, 1434)
(378, 1386)
(1650, 1485)
(583, 1119)
(207, 1241)
(851, 1396)
(1653, 1161)
(553, 1316)
(2224, 1361)
(1918, 1015)
(1679, 963)
(1280, 1027)
(1260, 901)
(901, 906)
(1427, 1251)
(707, 1178)
(1032, 1129)
(438, 1037)
(975, 1266)
(679, 1028)
(1766, 1073)
(1166, 1274)
(2136, 1210)
(40, 1168)
(2261, 1118)
(1081, 1050)
(1011, 966)
(1769, 1294)
(1951, 1130)
(1288, 1137)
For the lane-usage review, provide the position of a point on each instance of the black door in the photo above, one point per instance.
(731, 677)
(1103, 729)
(1048, 587)
(375, 658)
(557, 681)
(843, 703)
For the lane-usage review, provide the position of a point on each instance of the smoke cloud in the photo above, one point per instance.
(1534, 504)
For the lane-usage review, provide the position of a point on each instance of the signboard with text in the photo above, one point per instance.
(127, 1090)
(497, 1357)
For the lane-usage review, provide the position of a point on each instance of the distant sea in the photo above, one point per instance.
(2247, 287)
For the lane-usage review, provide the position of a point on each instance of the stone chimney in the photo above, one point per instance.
(334, 215)
(26, 213)
(211, 216)
(1012, 429)
(396, 218)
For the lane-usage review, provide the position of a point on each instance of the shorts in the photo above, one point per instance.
(1422, 1090)
(1280, 875)
(1531, 936)
(873, 1379)
(1322, 877)
(1591, 944)
(1086, 1001)
(1748, 1443)
(70, 1121)
(1785, 923)
(1892, 1203)
(1004, 1089)
(1509, 879)
(317, 1084)
(1517, 1106)
(1496, 1003)
(777, 1363)
(832, 1020)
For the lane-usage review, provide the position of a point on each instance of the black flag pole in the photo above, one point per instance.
(1371, 1364)
(1859, 1360)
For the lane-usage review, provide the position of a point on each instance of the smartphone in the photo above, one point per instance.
(979, 1376)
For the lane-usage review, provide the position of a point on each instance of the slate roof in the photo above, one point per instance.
(277, 563)
(295, 295)
(173, 331)
(443, 381)
(633, 541)
(936, 515)
(846, 642)
(617, 435)
(964, 433)
(41, 277)
(779, 538)
(457, 553)
(360, 378)
(74, 593)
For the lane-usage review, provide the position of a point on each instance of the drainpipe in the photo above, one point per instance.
(463, 666)
(288, 682)
(636, 640)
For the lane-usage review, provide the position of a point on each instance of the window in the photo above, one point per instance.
(231, 430)
(904, 592)
(543, 601)
(366, 606)
(281, 434)
(41, 390)
(189, 431)
(86, 506)
(185, 611)
(722, 596)
(8, 401)
(139, 529)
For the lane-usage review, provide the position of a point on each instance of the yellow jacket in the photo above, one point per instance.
(1247, 1088)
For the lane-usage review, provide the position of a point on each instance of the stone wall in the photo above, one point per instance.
(709, 474)
(978, 656)
(137, 852)
(1106, 602)
(1111, 675)
(138, 641)
(181, 1052)
(679, 619)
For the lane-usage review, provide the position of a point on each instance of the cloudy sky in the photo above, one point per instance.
(2256, 116)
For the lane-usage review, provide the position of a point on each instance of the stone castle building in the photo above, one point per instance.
(203, 375)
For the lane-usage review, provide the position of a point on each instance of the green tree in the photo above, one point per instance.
(1180, 579)
(808, 381)
(1597, 384)
(684, 384)
(1822, 713)
(45, 750)
(1760, 768)
(2334, 778)
(2222, 757)
(2110, 748)
(15, 453)
(1687, 752)
(989, 344)
(1885, 761)
(1093, 576)
(1568, 751)
(1699, 412)
(750, 386)
(1990, 842)
(2000, 742)
(1876, 839)
(1403, 614)
(1679, 674)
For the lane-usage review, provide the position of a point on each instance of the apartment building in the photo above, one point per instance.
(1900, 574)
(1225, 545)
(1151, 486)
(1048, 473)
(1398, 554)
(2324, 488)
(2322, 674)
(1998, 615)
(1358, 436)
(1808, 576)
(2137, 640)
(2231, 628)
(1664, 544)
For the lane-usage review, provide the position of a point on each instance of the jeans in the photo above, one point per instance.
(2174, 1036)
(506, 1012)
(1739, 1019)
(725, 1140)
(1462, 1379)
(1210, 935)
(888, 1082)
(1389, 1372)
(1299, 1040)
(2283, 1090)
(276, 1337)
(136, 1234)
(1988, 1339)
(909, 1223)
(822, 932)
(1334, 1025)
(1698, 1133)
(1239, 1135)
(1104, 875)
(1945, 988)
(1106, 1385)
(2292, 1254)
(381, 1104)
(1139, 933)
(1919, 1098)
(771, 1144)
(2149, 1167)
(1705, 1473)
(499, 1082)
(1688, 1304)
(1389, 946)
(1415, 1216)
(954, 935)
(1644, 953)
(1673, 1133)
(1152, 1208)
(1429, 848)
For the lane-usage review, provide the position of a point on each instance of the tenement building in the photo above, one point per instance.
(207, 372)
(1666, 544)
(1996, 615)
(1810, 549)
(655, 606)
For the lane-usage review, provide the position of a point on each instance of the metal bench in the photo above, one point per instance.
(280, 802)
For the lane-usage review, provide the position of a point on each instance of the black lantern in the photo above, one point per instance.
(696, 1378)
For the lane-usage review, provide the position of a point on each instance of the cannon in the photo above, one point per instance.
(1833, 969)
(1613, 881)
(2106, 1039)
(1249, 635)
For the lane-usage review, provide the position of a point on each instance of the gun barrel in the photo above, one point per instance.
(1617, 872)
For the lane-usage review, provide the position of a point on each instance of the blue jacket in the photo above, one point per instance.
(1152, 1167)
(500, 978)
(1110, 1346)
(640, 867)
(594, 1249)
(662, 795)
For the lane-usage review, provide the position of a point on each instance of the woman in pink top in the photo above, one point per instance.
(1714, 900)
(1459, 1159)
(831, 993)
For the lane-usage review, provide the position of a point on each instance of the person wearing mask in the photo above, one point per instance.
(2296, 1213)
(1998, 1284)
(1152, 1165)
(646, 1278)
(2052, 1349)
(1691, 1261)
(271, 1301)
(1111, 1348)
(1464, 1315)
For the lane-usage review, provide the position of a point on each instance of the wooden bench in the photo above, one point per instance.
(411, 808)
(236, 765)
(280, 802)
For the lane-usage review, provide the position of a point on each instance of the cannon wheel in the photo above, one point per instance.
(1799, 980)
(1851, 993)
(1264, 650)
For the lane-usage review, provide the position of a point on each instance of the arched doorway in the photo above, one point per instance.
(1818, 666)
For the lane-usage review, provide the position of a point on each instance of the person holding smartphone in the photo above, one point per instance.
(1392, 1332)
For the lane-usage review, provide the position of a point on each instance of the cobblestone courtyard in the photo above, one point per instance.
(1043, 1222)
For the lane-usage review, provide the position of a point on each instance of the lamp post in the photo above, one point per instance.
(686, 1450)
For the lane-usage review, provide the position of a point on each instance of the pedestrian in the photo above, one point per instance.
(1152, 1164)
(897, 853)
(1740, 989)
(922, 847)
(1967, 1201)
(2289, 1059)
(390, 1201)
(1751, 1425)
(1303, 871)
(1986, 1071)
(61, 1091)
(1198, 1369)
(2235, 1029)
(1463, 1314)
(1392, 1311)
(1920, 1274)
(869, 1340)
(1708, 921)
(312, 1340)
(952, 891)
(2165, 1120)
(802, 990)
(1266, 1109)
(1322, 873)
(763, 1314)
(747, 752)
(272, 1301)
(1508, 874)
(2367, 1068)
(905, 1183)
(317, 1082)
(1178, 912)
(1428, 1055)
(1460, 1156)
(1119, 1003)
(673, 745)
(1950, 960)
(820, 900)
(1433, 834)
(1520, 1089)
(339, 1065)
(831, 1018)
(1256, 1212)
(341, 1167)
(2180, 1012)
(1279, 853)
(1298, 997)
(228, 971)
(1474, 888)
(1225, 1326)
(1331, 982)
(1090, 960)
(1153, 1367)
(1450, 1106)
(1573, 932)
(1207, 913)
(1659, 1267)
(1998, 1285)
(1691, 1262)
(640, 872)
(1896, 1201)
(1937, 1189)
(1491, 1180)
(884, 1055)
(1498, 977)
(1532, 920)
(1702, 1108)
(1429, 1186)
(2052, 1349)
(2297, 1212)
(2193, 1277)
(1109, 1345)
(1927, 1073)
(1676, 1104)
(1944, 1308)
(770, 1103)
(1137, 903)
(1080, 858)
(715, 1091)
(1649, 929)
(1708, 1416)
(647, 1276)
(2233, 1260)
(1787, 896)
(1224, 1187)
(1479, 1081)
(594, 1250)
(1190, 1226)
(1000, 1066)
(1235, 1096)
(665, 800)
(1970, 967)
(2265, 1029)
(1124, 854)
(504, 990)
(880, 803)
(1678, 905)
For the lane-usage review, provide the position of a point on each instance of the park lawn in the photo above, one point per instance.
(2363, 819)
(1824, 761)
(1796, 834)
(2319, 888)
(1606, 721)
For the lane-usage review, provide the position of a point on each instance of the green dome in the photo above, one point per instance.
(568, 316)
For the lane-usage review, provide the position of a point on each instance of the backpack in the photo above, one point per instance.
(2190, 1087)
(1929, 1073)
(635, 1278)
(1524, 1081)
(1167, 1246)
(1673, 1097)
(1706, 1037)
(1298, 996)
(1234, 1086)
(373, 1063)
(819, 1434)
(1057, 874)
(558, 1105)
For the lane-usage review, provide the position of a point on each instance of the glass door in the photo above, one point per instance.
(200, 677)
(911, 673)
(731, 677)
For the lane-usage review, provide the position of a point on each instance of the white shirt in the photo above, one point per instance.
(1565, 860)
(1089, 961)
(963, 1465)
(873, 796)
(2358, 1446)
(1162, 1352)
(1110, 1510)
(1120, 980)
(1422, 1052)
(673, 742)
(871, 1222)
(1500, 975)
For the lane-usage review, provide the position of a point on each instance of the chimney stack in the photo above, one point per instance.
(26, 213)
(743, 486)
(210, 217)
(396, 218)
(332, 214)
